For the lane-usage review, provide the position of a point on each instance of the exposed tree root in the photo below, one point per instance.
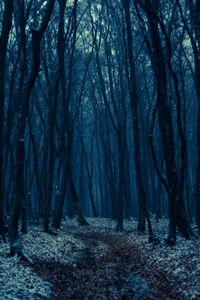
(170, 241)
(50, 231)
(16, 249)
(154, 240)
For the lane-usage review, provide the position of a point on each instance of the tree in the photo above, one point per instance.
(134, 109)
(175, 179)
(15, 245)
(5, 30)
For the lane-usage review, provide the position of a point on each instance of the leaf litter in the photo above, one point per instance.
(95, 262)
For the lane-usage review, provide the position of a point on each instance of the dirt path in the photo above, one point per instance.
(108, 266)
(94, 262)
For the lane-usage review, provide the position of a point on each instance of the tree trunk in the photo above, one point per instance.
(15, 244)
(134, 109)
(174, 183)
(6, 26)
(81, 219)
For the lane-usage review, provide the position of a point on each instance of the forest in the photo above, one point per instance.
(100, 142)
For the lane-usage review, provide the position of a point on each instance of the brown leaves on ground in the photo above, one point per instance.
(97, 263)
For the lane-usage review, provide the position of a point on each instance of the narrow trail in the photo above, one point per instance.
(108, 266)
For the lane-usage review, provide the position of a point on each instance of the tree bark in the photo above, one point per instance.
(15, 244)
(6, 26)
(143, 212)
(174, 182)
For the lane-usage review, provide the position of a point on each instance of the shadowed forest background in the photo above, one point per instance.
(99, 114)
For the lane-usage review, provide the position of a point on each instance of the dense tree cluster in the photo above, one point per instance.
(99, 113)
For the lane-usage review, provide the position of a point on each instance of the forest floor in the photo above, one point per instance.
(95, 262)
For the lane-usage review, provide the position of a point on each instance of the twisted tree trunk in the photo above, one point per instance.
(16, 208)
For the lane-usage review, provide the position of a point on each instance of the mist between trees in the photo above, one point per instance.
(100, 114)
